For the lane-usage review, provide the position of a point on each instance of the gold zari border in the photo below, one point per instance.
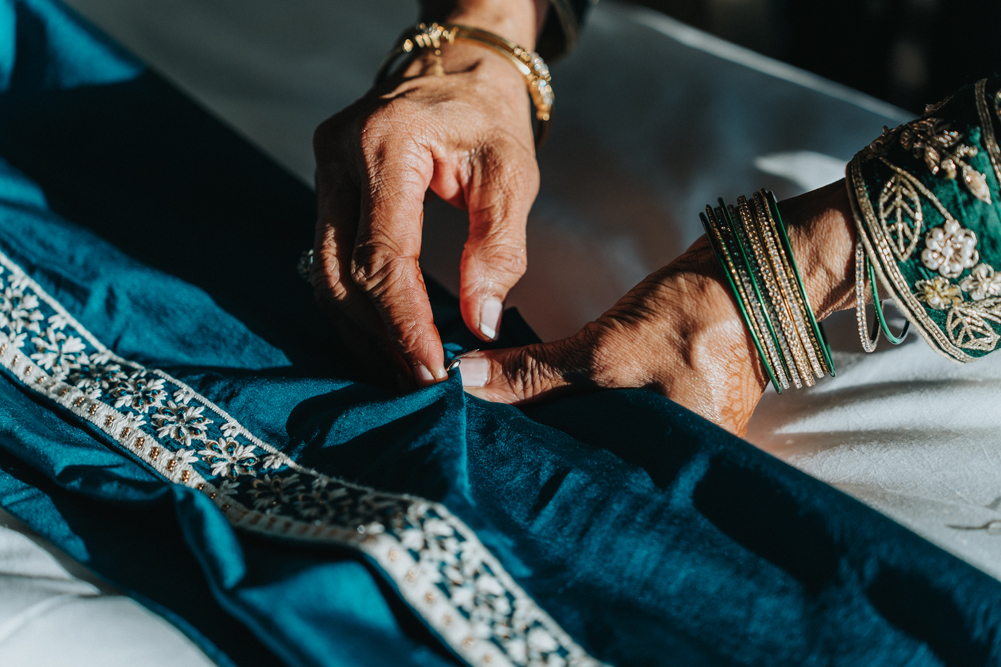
(881, 256)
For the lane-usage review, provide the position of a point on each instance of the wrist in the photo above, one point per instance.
(713, 367)
(519, 21)
(476, 60)
(822, 233)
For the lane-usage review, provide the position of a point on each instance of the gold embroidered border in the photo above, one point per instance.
(881, 256)
(987, 126)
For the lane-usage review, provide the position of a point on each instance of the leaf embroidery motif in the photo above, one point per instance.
(901, 216)
(967, 325)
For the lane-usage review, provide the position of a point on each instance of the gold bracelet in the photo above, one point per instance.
(529, 63)
(787, 282)
(775, 279)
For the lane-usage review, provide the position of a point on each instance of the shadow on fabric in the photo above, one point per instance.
(117, 159)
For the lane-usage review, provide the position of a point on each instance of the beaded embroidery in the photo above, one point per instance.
(901, 216)
(966, 288)
(438, 564)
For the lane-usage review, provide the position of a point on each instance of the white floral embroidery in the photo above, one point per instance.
(326, 502)
(133, 422)
(183, 423)
(541, 646)
(19, 311)
(56, 349)
(938, 293)
(477, 592)
(231, 429)
(15, 341)
(58, 321)
(442, 558)
(91, 376)
(982, 282)
(178, 462)
(950, 249)
(19, 280)
(140, 391)
(229, 458)
(271, 493)
(272, 462)
(432, 541)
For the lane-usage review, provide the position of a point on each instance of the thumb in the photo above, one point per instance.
(525, 374)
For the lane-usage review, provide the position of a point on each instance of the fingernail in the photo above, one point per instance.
(422, 374)
(425, 377)
(475, 371)
(490, 315)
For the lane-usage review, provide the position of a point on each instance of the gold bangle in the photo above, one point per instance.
(770, 294)
(801, 351)
(800, 307)
(530, 64)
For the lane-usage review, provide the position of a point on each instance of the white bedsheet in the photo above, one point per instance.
(631, 161)
(55, 614)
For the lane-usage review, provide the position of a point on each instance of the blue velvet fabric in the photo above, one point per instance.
(651, 536)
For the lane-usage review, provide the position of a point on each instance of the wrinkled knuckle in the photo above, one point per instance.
(593, 353)
(375, 266)
(327, 286)
(399, 107)
(392, 117)
(406, 336)
(519, 167)
(371, 129)
(506, 258)
(529, 374)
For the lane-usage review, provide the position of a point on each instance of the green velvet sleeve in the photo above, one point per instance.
(928, 209)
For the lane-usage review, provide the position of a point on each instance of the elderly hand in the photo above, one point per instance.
(679, 332)
(459, 126)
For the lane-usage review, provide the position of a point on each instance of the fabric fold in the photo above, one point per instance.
(177, 417)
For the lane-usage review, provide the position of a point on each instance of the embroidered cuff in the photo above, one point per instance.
(926, 201)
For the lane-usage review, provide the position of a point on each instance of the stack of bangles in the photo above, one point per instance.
(751, 243)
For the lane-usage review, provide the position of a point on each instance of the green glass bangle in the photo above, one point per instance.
(753, 270)
(818, 331)
(751, 294)
(877, 305)
(715, 241)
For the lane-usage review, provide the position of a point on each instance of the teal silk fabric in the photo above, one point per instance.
(131, 219)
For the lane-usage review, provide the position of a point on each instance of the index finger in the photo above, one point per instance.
(385, 260)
